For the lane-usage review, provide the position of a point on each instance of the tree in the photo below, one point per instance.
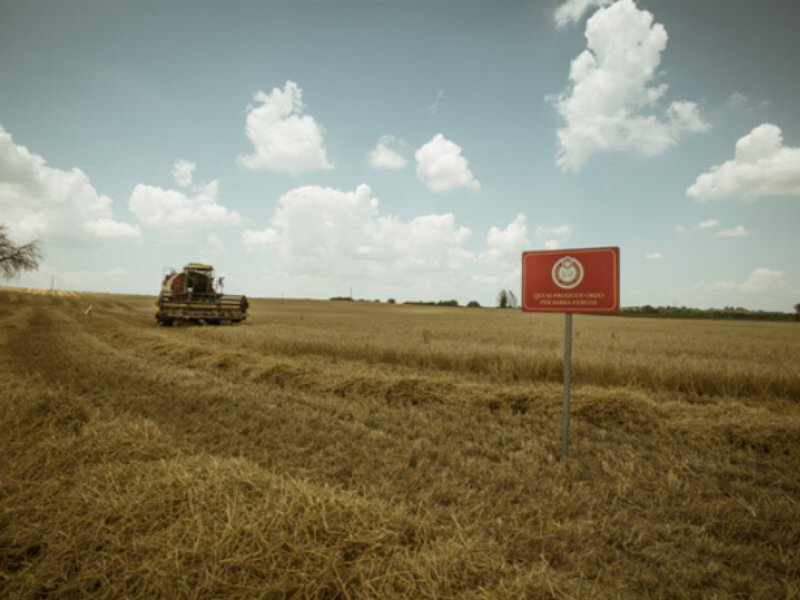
(502, 299)
(16, 259)
(507, 299)
(512, 299)
(797, 312)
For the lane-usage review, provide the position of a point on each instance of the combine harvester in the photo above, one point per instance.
(193, 296)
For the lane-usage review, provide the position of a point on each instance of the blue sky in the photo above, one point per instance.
(405, 149)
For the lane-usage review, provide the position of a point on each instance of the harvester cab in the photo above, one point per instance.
(193, 295)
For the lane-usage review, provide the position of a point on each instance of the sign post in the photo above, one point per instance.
(580, 280)
(567, 382)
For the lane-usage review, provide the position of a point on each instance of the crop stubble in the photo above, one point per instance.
(332, 449)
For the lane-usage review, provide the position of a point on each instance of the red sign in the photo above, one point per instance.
(581, 280)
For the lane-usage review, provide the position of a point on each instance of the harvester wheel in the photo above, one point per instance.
(164, 321)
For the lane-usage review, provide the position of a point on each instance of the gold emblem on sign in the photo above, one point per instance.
(567, 272)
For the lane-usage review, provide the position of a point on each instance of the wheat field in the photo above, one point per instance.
(364, 450)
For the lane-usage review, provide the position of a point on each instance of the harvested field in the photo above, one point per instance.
(343, 450)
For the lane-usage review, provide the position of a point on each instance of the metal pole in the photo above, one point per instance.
(567, 379)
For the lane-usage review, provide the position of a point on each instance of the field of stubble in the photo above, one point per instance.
(347, 450)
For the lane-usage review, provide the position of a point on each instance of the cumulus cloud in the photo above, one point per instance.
(559, 231)
(498, 264)
(760, 280)
(572, 11)
(325, 226)
(159, 207)
(183, 172)
(110, 229)
(214, 245)
(511, 241)
(385, 155)
(762, 166)
(612, 100)
(553, 237)
(441, 166)
(707, 224)
(284, 139)
(735, 232)
(736, 100)
(253, 239)
(37, 200)
(683, 115)
(434, 108)
(318, 223)
(330, 236)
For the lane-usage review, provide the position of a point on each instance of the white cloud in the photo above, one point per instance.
(183, 172)
(283, 137)
(434, 108)
(707, 224)
(317, 223)
(738, 231)
(683, 115)
(760, 280)
(110, 229)
(681, 230)
(254, 239)
(210, 249)
(214, 245)
(762, 166)
(572, 11)
(320, 241)
(159, 207)
(441, 166)
(39, 201)
(331, 235)
(611, 103)
(498, 264)
(328, 239)
(553, 237)
(323, 227)
(559, 231)
(383, 156)
(736, 100)
(654, 256)
(511, 241)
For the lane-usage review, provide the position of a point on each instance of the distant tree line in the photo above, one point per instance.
(507, 299)
(470, 304)
(438, 303)
(729, 312)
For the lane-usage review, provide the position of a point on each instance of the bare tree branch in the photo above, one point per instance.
(16, 259)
